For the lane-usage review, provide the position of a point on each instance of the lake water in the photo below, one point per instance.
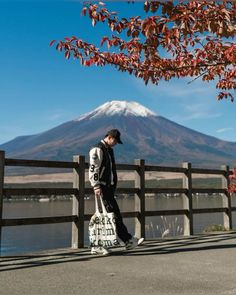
(30, 238)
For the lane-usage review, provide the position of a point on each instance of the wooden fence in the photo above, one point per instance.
(139, 168)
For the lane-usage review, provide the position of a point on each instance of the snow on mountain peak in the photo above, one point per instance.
(116, 107)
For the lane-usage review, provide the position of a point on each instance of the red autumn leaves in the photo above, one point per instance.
(189, 39)
(232, 185)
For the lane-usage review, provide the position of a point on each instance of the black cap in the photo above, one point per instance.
(116, 134)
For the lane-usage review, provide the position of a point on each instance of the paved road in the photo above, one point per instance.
(204, 264)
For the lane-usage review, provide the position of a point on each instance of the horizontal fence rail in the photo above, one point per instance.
(78, 192)
(40, 163)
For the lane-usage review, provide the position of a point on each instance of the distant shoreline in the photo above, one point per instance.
(68, 177)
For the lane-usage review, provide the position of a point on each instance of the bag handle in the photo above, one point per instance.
(104, 211)
(96, 205)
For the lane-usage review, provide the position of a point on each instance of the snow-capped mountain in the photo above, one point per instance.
(145, 135)
(120, 108)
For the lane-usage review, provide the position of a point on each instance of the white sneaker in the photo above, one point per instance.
(133, 243)
(100, 251)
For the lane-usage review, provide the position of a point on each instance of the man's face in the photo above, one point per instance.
(111, 141)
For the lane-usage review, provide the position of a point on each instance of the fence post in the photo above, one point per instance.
(139, 201)
(188, 202)
(227, 219)
(78, 203)
(2, 163)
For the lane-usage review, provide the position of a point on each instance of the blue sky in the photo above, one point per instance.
(39, 89)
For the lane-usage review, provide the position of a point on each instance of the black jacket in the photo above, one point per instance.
(102, 169)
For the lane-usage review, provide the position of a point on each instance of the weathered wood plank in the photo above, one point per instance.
(78, 203)
(2, 162)
(210, 210)
(38, 191)
(40, 163)
(126, 167)
(37, 220)
(139, 201)
(207, 171)
(226, 200)
(188, 199)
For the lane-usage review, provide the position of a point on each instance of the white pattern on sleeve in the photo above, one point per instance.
(95, 162)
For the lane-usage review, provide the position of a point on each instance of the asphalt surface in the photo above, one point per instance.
(204, 264)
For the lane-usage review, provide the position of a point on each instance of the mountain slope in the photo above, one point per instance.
(145, 135)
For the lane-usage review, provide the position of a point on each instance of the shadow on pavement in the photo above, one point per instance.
(215, 241)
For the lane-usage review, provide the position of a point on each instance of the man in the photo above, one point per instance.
(103, 178)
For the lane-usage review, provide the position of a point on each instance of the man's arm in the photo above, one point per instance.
(95, 162)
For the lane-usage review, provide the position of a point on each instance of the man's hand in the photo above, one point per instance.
(97, 192)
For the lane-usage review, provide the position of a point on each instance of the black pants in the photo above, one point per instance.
(112, 206)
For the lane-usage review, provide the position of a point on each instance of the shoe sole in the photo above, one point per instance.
(94, 252)
(100, 254)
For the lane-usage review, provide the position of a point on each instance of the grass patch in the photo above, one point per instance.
(214, 228)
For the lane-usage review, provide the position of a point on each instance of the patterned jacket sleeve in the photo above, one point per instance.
(95, 162)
